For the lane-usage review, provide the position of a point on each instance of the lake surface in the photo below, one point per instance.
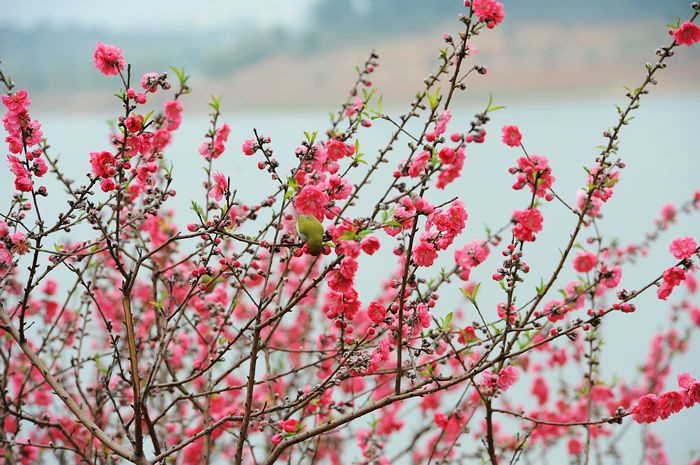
(660, 148)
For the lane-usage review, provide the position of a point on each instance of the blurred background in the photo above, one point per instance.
(559, 66)
(252, 51)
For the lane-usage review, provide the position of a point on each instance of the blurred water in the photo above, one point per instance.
(659, 147)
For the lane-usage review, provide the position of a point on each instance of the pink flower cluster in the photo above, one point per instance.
(448, 224)
(108, 59)
(440, 126)
(452, 164)
(489, 11)
(651, 408)
(376, 312)
(585, 261)
(23, 134)
(10, 244)
(503, 380)
(312, 200)
(527, 223)
(173, 114)
(318, 177)
(511, 136)
(248, 147)
(687, 34)
(671, 278)
(214, 147)
(533, 171)
(220, 186)
(469, 256)
(604, 184)
(682, 248)
(418, 164)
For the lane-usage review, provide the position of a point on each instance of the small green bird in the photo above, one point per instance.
(311, 231)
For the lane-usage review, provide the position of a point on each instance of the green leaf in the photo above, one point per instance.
(675, 25)
(181, 76)
(310, 138)
(540, 288)
(347, 236)
(434, 99)
(197, 209)
(447, 322)
(215, 103)
(387, 214)
(490, 107)
(148, 116)
(471, 295)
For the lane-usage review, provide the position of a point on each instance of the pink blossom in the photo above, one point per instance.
(690, 389)
(511, 136)
(133, 123)
(669, 403)
(16, 166)
(220, 186)
(161, 138)
(338, 188)
(311, 200)
(611, 278)
(108, 59)
(574, 446)
(507, 377)
(23, 184)
(423, 315)
(107, 184)
(687, 34)
(289, 426)
(370, 245)
(447, 155)
(683, 247)
(424, 254)
(533, 171)
(376, 312)
(14, 143)
(452, 171)
(528, 222)
(441, 125)
(585, 261)
(337, 149)
(102, 164)
(540, 389)
(646, 410)
(5, 255)
(489, 11)
(149, 82)
(173, 114)
(247, 146)
(664, 291)
(471, 255)
(674, 275)
(418, 164)
(17, 101)
(39, 168)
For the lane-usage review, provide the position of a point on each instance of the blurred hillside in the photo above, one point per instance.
(553, 45)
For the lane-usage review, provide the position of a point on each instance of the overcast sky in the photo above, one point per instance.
(137, 14)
